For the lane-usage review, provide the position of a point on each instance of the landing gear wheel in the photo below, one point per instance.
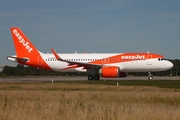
(96, 77)
(90, 77)
(150, 78)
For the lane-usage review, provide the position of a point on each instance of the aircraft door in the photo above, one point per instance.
(105, 60)
(149, 59)
(39, 61)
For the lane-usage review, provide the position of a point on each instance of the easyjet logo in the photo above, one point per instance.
(23, 41)
(133, 57)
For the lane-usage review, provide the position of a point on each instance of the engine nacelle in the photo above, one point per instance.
(112, 72)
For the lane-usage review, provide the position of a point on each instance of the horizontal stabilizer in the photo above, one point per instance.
(15, 59)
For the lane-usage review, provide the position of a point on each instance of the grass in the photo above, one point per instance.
(97, 100)
(157, 83)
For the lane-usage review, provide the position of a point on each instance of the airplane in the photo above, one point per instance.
(107, 65)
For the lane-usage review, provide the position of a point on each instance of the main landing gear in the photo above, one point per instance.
(150, 76)
(95, 77)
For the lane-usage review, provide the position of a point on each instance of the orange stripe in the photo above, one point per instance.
(126, 57)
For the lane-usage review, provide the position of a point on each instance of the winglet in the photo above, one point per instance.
(56, 55)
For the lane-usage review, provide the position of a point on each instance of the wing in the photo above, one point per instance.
(79, 64)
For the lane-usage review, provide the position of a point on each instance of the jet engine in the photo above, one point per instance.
(112, 72)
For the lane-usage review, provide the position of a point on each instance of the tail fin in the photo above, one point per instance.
(26, 52)
(23, 46)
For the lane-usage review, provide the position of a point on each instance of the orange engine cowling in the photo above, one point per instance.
(112, 72)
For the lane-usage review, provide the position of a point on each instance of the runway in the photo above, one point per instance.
(54, 79)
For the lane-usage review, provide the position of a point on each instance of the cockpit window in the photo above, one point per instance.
(161, 59)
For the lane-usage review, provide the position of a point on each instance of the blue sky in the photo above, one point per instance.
(93, 26)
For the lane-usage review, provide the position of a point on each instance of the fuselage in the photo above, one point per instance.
(127, 62)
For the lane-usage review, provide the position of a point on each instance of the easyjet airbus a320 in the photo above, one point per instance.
(108, 65)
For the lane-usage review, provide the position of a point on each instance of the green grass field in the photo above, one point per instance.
(87, 100)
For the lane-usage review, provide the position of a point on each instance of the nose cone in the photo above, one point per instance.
(169, 65)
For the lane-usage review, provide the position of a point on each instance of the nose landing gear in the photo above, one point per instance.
(150, 76)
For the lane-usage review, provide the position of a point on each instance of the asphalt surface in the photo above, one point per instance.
(50, 79)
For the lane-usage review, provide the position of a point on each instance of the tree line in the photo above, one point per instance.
(21, 70)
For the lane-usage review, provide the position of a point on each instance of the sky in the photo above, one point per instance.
(93, 26)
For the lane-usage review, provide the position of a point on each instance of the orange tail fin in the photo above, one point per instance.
(26, 52)
(23, 46)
